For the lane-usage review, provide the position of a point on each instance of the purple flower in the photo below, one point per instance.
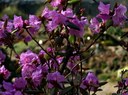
(104, 9)
(4, 72)
(125, 93)
(68, 13)
(5, 17)
(59, 59)
(2, 57)
(72, 64)
(27, 70)
(37, 76)
(53, 64)
(1, 24)
(104, 12)
(55, 3)
(19, 83)
(57, 19)
(55, 79)
(126, 81)
(42, 53)
(104, 17)
(73, 67)
(18, 22)
(79, 23)
(119, 15)
(18, 93)
(9, 89)
(6, 93)
(46, 13)
(34, 23)
(54, 19)
(8, 86)
(90, 81)
(51, 26)
(28, 58)
(9, 27)
(94, 25)
(4, 29)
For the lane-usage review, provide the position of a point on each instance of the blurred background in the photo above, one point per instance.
(109, 57)
(25, 7)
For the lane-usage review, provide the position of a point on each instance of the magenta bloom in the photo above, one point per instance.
(94, 25)
(7, 86)
(10, 90)
(126, 81)
(34, 23)
(53, 64)
(2, 57)
(54, 19)
(68, 13)
(79, 23)
(4, 72)
(119, 15)
(55, 79)
(27, 70)
(5, 17)
(57, 19)
(18, 93)
(20, 83)
(55, 3)
(10, 26)
(18, 22)
(28, 58)
(46, 12)
(104, 9)
(125, 93)
(37, 76)
(3, 29)
(90, 81)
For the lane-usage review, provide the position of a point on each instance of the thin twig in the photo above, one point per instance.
(42, 47)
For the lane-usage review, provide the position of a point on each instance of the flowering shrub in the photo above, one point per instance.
(58, 68)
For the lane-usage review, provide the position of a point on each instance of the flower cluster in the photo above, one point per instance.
(58, 66)
(90, 82)
(65, 18)
(117, 15)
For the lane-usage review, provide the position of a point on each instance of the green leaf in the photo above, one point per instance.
(54, 91)
(72, 25)
(108, 23)
(33, 91)
(114, 94)
(84, 92)
(14, 31)
(111, 30)
(71, 39)
(19, 69)
(73, 1)
(102, 83)
(66, 90)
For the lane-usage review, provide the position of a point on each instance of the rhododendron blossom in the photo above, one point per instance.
(17, 22)
(55, 79)
(29, 58)
(90, 82)
(95, 25)
(4, 72)
(119, 15)
(56, 65)
(55, 3)
(34, 23)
